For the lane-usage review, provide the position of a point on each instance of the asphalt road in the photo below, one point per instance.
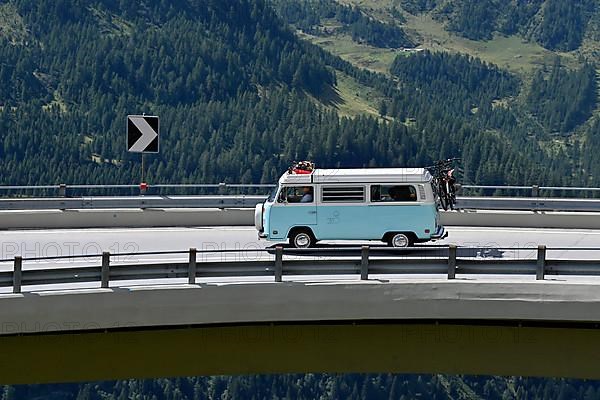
(502, 242)
(476, 242)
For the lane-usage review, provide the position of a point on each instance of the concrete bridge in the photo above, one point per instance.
(325, 312)
(141, 301)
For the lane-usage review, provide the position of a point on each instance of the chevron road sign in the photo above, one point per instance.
(142, 133)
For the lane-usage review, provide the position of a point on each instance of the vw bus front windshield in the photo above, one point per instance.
(272, 195)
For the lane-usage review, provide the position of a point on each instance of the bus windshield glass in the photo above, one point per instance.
(272, 195)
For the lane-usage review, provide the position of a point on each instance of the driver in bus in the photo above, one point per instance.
(307, 197)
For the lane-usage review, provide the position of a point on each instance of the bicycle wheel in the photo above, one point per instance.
(444, 200)
(436, 187)
(450, 194)
(450, 202)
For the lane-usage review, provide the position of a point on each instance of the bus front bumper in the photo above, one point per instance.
(441, 233)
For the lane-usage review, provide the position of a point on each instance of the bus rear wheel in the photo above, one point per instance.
(400, 240)
(302, 239)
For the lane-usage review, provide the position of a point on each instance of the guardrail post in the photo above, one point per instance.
(364, 263)
(105, 273)
(62, 190)
(17, 274)
(278, 263)
(535, 191)
(192, 267)
(540, 271)
(452, 261)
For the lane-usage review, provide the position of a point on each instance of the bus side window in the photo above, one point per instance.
(376, 193)
(296, 194)
(389, 193)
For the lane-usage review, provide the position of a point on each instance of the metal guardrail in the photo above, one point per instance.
(527, 204)
(364, 261)
(250, 201)
(62, 190)
(534, 190)
(140, 202)
(531, 201)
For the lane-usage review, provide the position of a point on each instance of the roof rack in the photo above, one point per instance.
(302, 167)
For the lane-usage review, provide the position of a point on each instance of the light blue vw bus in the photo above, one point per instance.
(395, 205)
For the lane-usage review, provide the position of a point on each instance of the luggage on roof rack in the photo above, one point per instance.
(302, 167)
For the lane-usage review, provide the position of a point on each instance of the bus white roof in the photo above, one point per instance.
(359, 175)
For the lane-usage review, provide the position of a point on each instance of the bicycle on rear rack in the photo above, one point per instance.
(444, 182)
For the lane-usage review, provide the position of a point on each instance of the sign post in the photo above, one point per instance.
(142, 137)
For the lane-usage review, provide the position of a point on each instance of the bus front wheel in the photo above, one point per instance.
(302, 239)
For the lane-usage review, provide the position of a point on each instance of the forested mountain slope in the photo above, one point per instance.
(547, 101)
(317, 386)
(240, 96)
(555, 24)
(232, 84)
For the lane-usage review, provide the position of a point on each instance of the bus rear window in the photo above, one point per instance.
(390, 193)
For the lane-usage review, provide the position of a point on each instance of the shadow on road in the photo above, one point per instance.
(352, 250)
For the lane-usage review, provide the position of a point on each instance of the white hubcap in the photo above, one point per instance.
(302, 240)
(400, 240)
